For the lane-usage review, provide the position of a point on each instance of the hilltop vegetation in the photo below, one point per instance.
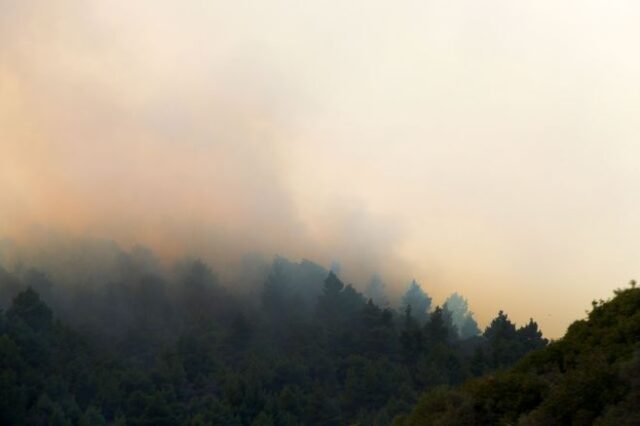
(590, 376)
(133, 345)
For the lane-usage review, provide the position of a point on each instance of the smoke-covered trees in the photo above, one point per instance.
(338, 303)
(29, 309)
(419, 301)
(291, 289)
(10, 285)
(376, 291)
(179, 348)
(462, 318)
(455, 308)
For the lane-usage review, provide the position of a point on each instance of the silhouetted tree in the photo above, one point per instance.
(503, 341)
(439, 328)
(419, 301)
(531, 337)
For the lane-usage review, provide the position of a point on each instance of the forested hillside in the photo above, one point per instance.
(590, 376)
(142, 347)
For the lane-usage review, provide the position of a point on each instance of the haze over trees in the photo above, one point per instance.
(418, 301)
(376, 291)
(138, 345)
(461, 316)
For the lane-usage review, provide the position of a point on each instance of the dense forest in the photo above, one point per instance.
(133, 344)
(590, 376)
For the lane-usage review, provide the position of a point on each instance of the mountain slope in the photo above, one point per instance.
(590, 376)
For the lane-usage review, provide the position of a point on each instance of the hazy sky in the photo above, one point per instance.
(485, 147)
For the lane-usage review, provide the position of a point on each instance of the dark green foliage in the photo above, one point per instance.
(440, 329)
(151, 348)
(590, 376)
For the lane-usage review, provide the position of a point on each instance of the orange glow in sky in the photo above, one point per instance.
(486, 148)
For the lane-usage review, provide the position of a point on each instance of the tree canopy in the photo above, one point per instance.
(144, 347)
(590, 376)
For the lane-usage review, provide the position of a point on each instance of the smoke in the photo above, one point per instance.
(490, 150)
(140, 124)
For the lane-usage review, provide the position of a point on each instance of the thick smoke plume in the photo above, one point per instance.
(147, 133)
